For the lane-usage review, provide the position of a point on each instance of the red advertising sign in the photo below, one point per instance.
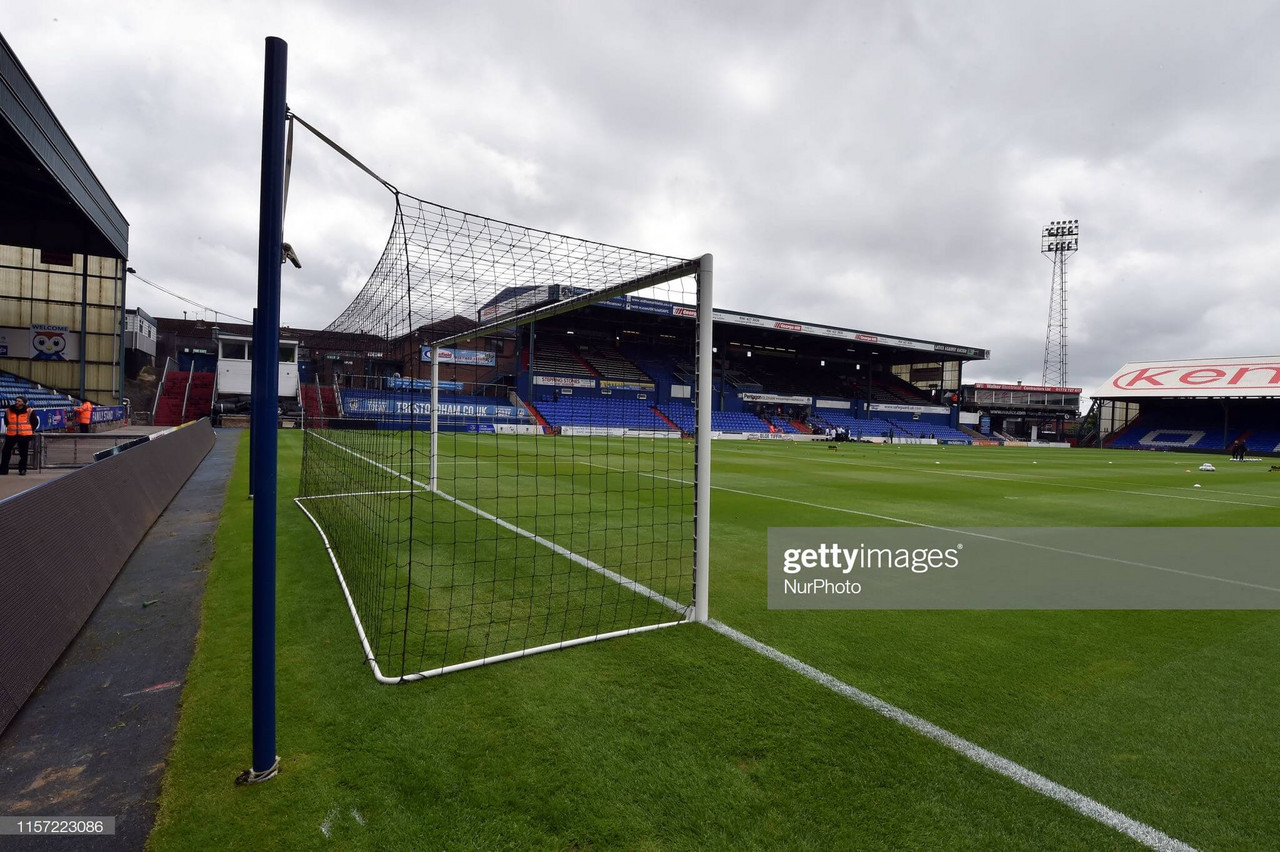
(1209, 377)
(1033, 388)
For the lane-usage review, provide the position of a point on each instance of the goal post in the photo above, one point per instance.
(536, 475)
(702, 434)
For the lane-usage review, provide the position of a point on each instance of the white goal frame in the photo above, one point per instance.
(699, 611)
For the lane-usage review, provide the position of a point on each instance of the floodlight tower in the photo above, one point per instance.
(1058, 242)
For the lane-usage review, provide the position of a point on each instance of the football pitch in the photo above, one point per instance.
(686, 739)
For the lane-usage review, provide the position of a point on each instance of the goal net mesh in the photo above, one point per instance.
(518, 478)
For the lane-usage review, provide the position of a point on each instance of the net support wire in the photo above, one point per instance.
(685, 611)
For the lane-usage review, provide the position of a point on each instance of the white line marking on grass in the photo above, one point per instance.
(1146, 835)
(923, 525)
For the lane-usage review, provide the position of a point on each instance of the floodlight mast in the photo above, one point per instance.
(1059, 241)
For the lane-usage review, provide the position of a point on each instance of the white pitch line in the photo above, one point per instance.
(1150, 837)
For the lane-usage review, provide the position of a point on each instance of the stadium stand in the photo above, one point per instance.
(1157, 432)
(859, 426)
(1263, 440)
(554, 357)
(681, 413)
(661, 370)
(603, 412)
(186, 396)
(921, 429)
(38, 396)
(614, 366)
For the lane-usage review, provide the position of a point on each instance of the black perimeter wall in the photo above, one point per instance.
(64, 543)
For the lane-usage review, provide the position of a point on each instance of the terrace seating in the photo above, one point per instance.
(1166, 432)
(553, 357)
(37, 395)
(1263, 440)
(613, 366)
(682, 414)
(859, 426)
(921, 429)
(607, 413)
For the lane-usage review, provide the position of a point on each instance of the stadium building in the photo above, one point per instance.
(1204, 404)
(1016, 412)
(63, 244)
(625, 366)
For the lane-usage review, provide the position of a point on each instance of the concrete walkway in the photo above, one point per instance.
(94, 738)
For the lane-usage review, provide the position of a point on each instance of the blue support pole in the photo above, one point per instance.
(253, 332)
(266, 386)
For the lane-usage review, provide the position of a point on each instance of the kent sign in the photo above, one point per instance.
(1203, 377)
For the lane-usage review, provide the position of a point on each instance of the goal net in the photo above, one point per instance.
(527, 476)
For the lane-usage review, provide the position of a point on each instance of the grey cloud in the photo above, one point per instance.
(879, 165)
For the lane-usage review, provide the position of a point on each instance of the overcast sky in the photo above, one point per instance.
(886, 166)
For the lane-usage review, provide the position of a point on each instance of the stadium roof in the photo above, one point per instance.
(52, 200)
(1196, 378)
(524, 297)
(848, 334)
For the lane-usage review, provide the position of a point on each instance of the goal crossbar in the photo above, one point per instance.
(681, 270)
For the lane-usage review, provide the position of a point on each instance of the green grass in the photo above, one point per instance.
(681, 739)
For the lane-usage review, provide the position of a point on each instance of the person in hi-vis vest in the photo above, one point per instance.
(84, 413)
(20, 423)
